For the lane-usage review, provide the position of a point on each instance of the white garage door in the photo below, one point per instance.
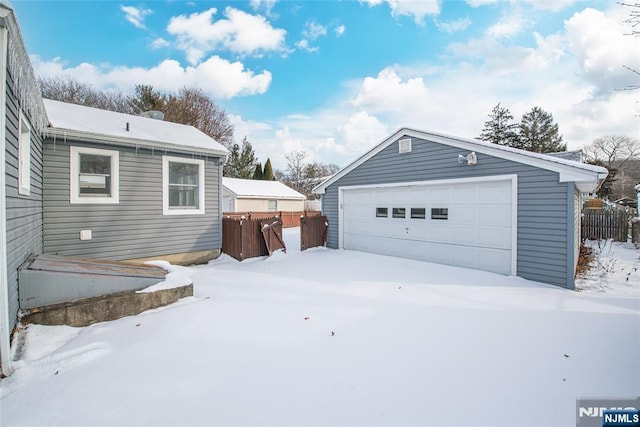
(465, 224)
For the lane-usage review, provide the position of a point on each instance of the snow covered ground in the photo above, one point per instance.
(615, 269)
(327, 337)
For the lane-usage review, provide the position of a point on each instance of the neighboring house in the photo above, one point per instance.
(252, 195)
(125, 187)
(22, 119)
(462, 202)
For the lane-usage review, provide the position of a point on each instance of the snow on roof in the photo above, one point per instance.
(77, 121)
(253, 188)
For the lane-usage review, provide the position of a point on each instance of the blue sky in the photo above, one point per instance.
(334, 78)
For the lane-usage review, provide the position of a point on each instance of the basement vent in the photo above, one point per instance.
(404, 146)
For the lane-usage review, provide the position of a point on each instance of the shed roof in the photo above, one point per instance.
(93, 124)
(586, 177)
(258, 189)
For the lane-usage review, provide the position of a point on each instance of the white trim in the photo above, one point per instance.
(490, 178)
(74, 175)
(166, 210)
(586, 176)
(5, 332)
(24, 151)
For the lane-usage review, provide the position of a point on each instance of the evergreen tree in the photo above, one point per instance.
(268, 175)
(500, 129)
(257, 173)
(538, 132)
(145, 98)
(241, 161)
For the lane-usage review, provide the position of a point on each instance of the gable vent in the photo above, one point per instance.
(404, 146)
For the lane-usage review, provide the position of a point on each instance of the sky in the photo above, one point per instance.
(335, 78)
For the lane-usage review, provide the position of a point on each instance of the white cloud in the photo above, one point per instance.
(340, 30)
(135, 15)
(550, 5)
(360, 133)
(601, 49)
(240, 33)
(478, 3)
(304, 45)
(510, 24)
(453, 26)
(417, 9)
(218, 77)
(265, 5)
(388, 91)
(313, 30)
(159, 43)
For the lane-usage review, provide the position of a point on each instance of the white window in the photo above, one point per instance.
(272, 205)
(24, 157)
(182, 186)
(94, 175)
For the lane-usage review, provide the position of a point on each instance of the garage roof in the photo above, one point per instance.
(587, 177)
(258, 189)
(95, 125)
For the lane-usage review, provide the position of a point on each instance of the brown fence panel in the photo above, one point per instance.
(242, 238)
(313, 231)
(289, 219)
(605, 224)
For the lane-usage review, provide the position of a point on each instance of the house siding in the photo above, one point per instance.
(262, 205)
(24, 212)
(135, 227)
(542, 240)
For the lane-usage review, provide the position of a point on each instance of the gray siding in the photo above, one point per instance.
(136, 226)
(24, 213)
(543, 247)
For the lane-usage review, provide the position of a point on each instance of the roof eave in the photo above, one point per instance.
(129, 142)
(567, 170)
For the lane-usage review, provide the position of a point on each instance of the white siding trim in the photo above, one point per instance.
(165, 186)
(24, 156)
(5, 333)
(74, 173)
(514, 204)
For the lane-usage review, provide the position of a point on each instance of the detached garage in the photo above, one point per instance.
(461, 202)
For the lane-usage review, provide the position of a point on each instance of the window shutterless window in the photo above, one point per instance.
(24, 157)
(418, 213)
(272, 205)
(382, 212)
(398, 212)
(94, 175)
(439, 213)
(183, 186)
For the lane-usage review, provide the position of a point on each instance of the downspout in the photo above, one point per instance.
(5, 332)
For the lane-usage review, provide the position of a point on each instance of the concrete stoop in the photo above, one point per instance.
(84, 312)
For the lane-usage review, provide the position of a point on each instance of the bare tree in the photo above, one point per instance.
(75, 92)
(295, 169)
(191, 106)
(612, 152)
(608, 149)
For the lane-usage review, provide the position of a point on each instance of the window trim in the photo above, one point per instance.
(24, 156)
(166, 210)
(74, 172)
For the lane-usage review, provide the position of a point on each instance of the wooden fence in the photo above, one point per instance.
(605, 224)
(313, 231)
(243, 238)
(289, 219)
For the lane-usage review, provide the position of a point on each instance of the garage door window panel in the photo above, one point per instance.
(382, 212)
(418, 213)
(399, 213)
(440, 213)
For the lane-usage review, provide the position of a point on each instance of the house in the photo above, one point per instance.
(125, 187)
(462, 202)
(250, 195)
(80, 181)
(21, 121)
